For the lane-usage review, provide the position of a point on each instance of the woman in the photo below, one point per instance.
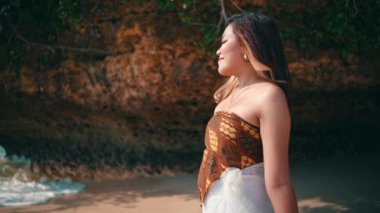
(250, 128)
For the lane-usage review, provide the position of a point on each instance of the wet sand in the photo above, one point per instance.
(346, 184)
(144, 194)
(327, 185)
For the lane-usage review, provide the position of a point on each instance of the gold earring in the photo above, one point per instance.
(245, 57)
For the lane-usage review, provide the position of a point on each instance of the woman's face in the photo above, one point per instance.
(230, 53)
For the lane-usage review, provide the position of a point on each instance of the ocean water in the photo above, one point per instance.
(17, 190)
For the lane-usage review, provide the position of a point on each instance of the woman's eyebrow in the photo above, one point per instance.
(222, 37)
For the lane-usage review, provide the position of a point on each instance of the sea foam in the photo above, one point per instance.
(17, 190)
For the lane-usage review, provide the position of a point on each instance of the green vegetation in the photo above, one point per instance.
(350, 26)
(24, 23)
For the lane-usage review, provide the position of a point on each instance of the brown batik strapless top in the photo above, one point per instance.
(230, 142)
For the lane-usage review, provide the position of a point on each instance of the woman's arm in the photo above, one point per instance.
(275, 131)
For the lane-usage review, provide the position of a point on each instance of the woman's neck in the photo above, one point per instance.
(248, 77)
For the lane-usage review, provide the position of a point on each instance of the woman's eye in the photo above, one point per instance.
(224, 41)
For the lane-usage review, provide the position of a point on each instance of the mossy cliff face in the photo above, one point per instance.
(150, 64)
(138, 98)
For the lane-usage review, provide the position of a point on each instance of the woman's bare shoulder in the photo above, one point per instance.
(269, 95)
(267, 91)
(272, 91)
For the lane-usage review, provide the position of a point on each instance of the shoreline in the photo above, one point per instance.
(333, 184)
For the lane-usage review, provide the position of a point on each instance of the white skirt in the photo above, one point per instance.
(239, 191)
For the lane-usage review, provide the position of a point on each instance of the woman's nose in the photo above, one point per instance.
(218, 52)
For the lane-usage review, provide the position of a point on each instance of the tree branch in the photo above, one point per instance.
(354, 5)
(223, 16)
(237, 6)
(52, 47)
(61, 47)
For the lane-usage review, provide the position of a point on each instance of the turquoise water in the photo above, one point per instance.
(16, 189)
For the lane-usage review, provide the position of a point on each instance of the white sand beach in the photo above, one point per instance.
(326, 185)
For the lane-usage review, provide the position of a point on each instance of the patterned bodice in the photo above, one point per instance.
(230, 142)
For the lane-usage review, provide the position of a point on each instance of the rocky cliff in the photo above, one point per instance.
(136, 93)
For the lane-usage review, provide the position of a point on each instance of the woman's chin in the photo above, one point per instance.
(223, 73)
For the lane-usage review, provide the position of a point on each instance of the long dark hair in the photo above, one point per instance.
(259, 39)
